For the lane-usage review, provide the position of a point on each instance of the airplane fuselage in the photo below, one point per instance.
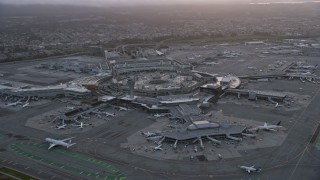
(269, 127)
(57, 142)
(158, 148)
(250, 169)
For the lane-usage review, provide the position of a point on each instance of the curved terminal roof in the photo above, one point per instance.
(202, 125)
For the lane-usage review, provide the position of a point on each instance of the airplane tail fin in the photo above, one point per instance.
(70, 141)
(278, 124)
(71, 145)
(258, 169)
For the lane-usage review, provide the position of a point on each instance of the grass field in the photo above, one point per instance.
(13, 173)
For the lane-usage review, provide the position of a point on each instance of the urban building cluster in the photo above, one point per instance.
(37, 40)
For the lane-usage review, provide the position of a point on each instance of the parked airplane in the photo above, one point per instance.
(81, 125)
(278, 105)
(150, 134)
(250, 169)
(70, 107)
(161, 115)
(54, 142)
(252, 68)
(110, 114)
(175, 144)
(123, 108)
(106, 113)
(270, 127)
(195, 148)
(156, 148)
(61, 127)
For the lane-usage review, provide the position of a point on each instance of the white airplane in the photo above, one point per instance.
(195, 148)
(15, 103)
(160, 115)
(26, 105)
(110, 114)
(54, 142)
(150, 134)
(106, 113)
(156, 148)
(252, 68)
(81, 125)
(70, 107)
(61, 127)
(175, 144)
(250, 169)
(270, 127)
(278, 105)
(123, 108)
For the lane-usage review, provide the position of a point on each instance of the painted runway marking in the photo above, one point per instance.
(112, 175)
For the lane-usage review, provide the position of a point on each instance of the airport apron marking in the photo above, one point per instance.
(113, 173)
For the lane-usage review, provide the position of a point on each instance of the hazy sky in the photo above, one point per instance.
(135, 2)
(113, 2)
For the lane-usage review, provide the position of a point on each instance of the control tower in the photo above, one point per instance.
(131, 83)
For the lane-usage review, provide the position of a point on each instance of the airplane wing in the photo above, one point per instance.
(67, 139)
(51, 146)
(248, 171)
